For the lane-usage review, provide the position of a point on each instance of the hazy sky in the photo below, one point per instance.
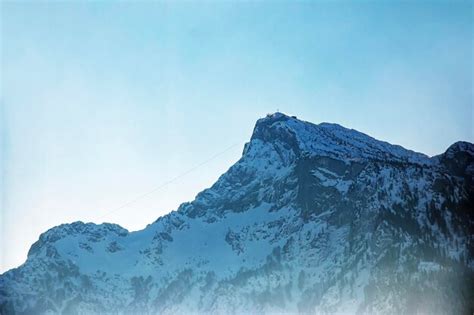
(102, 102)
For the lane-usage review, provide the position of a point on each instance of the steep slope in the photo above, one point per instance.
(311, 219)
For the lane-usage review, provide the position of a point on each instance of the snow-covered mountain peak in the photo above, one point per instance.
(460, 147)
(311, 219)
(91, 231)
(327, 139)
(458, 160)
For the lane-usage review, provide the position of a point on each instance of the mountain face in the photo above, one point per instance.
(313, 219)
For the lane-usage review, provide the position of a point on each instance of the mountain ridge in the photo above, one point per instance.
(458, 146)
(312, 218)
(330, 136)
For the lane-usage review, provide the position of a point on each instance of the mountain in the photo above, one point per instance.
(313, 219)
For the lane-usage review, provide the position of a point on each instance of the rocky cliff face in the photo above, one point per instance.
(312, 219)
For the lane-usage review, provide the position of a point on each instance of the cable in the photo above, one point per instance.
(167, 182)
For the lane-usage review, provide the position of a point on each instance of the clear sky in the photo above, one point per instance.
(102, 102)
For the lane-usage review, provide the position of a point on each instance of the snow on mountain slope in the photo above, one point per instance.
(312, 219)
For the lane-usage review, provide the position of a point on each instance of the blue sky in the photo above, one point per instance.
(103, 101)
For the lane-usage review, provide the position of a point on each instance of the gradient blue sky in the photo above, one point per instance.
(104, 101)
